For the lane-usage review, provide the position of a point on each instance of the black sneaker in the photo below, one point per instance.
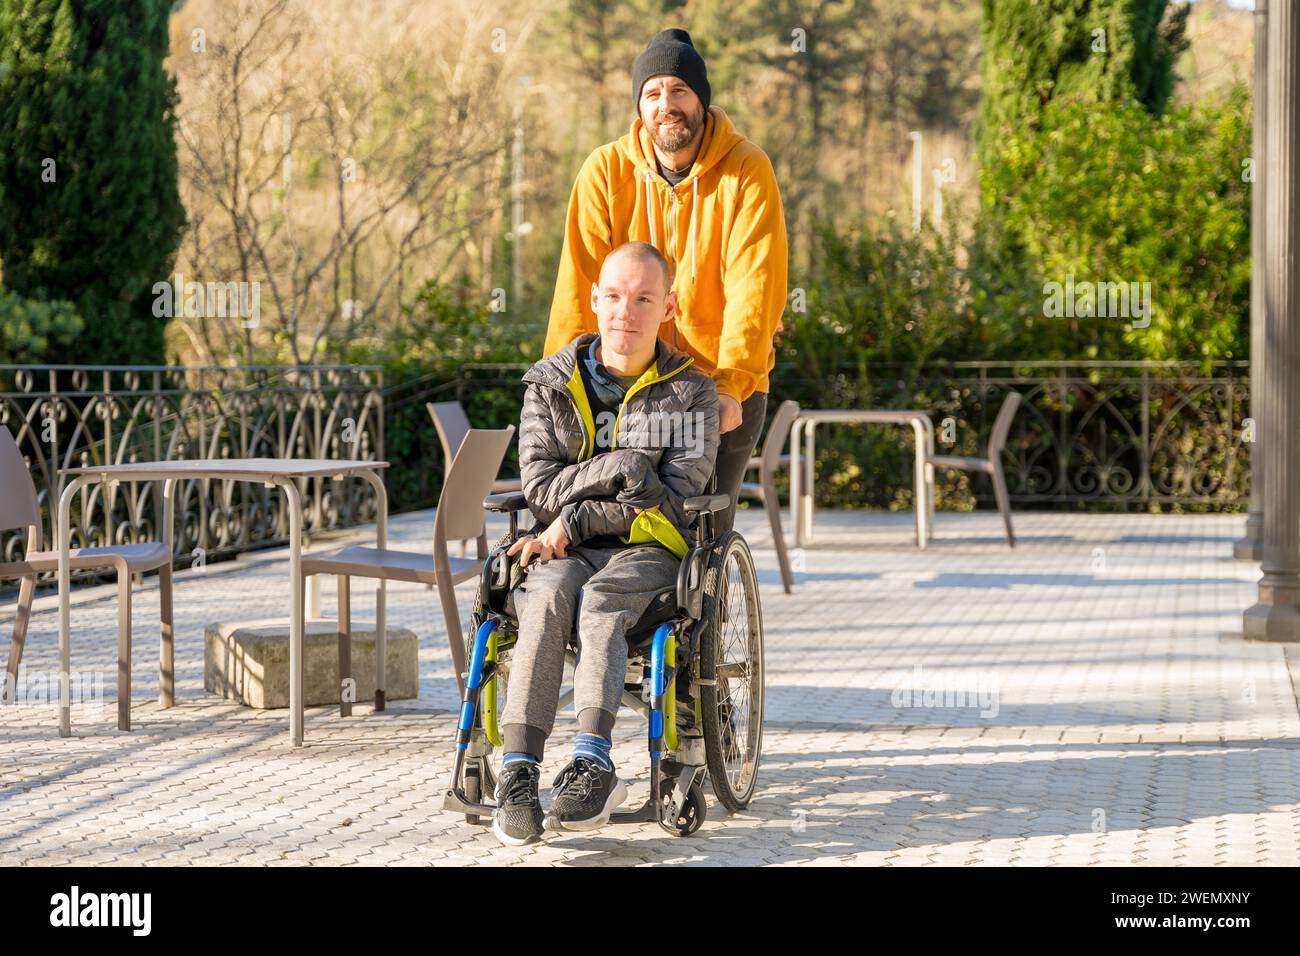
(584, 795)
(518, 818)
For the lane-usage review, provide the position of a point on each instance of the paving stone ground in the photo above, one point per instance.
(1114, 717)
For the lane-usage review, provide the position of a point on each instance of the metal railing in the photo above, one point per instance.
(1118, 435)
(1123, 435)
(1133, 434)
(65, 416)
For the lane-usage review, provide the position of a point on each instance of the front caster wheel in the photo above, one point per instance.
(479, 782)
(473, 790)
(689, 817)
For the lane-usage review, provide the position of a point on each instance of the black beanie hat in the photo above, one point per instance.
(672, 53)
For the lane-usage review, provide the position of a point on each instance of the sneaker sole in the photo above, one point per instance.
(615, 799)
(508, 840)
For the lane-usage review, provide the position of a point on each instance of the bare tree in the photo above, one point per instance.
(333, 157)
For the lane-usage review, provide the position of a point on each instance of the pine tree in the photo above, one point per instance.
(90, 211)
(1037, 51)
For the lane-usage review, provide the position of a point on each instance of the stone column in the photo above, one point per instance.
(1250, 547)
(1276, 616)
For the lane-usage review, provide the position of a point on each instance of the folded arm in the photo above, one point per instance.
(553, 488)
(684, 471)
(602, 495)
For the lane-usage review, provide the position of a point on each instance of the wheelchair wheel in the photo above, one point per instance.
(473, 790)
(690, 817)
(731, 672)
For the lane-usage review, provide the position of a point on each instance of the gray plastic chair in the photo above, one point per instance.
(992, 463)
(459, 515)
(764, 490)
(452, 423)
(19, 508)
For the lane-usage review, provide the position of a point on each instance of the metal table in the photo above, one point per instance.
(282, 473)
(802, 471)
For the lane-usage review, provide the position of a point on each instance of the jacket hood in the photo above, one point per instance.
(557, 369)
(720, 138)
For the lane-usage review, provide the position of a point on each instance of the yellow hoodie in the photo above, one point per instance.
(724, 228)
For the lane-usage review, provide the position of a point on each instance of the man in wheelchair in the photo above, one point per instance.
(617, 431)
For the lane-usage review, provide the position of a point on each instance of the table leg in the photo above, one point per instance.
(929, 474)
(166, 640)
(123, 647)
(293, 498)
(920, 499)
(63, 536)
(796, 480)
(810, 478)
(381, 594)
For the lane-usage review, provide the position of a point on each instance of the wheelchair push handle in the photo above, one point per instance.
(710, 503)
(506, 502)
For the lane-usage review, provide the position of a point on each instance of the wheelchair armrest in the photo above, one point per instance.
(711, 503)
(690, 581)
(505, 502)
(501, 574)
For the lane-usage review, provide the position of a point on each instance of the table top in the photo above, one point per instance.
(861, 414)
(240, 468)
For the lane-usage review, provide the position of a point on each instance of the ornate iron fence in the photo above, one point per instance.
(65, 417)
(1129, 434)
(1115, 435)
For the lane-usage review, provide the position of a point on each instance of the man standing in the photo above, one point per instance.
(686, 182)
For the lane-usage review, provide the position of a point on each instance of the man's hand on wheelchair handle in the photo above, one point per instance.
(550, 543)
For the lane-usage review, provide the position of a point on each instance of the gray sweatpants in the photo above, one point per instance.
(617, 585)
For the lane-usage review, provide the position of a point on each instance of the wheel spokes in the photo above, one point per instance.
(735, 670)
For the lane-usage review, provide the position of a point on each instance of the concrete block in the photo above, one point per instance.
(249, 662)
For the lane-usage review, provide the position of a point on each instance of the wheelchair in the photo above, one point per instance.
(695, 670)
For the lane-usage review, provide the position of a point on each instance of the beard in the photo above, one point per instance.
(671, 140)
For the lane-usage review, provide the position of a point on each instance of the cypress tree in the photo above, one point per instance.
(90, 211)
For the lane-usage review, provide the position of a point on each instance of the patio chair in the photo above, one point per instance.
(991, 464)
(459, 516)
(764, 490)
(452, 423)
(19, 508)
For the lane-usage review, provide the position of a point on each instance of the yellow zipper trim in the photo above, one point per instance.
(649, 525)
(579, 395)
(649, 377)
(653, 525)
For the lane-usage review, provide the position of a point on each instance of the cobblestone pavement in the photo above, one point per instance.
(1113, 718)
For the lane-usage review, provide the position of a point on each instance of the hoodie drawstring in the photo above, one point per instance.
(649, 217)
(695, 195)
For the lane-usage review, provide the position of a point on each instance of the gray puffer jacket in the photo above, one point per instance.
(665, 443)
